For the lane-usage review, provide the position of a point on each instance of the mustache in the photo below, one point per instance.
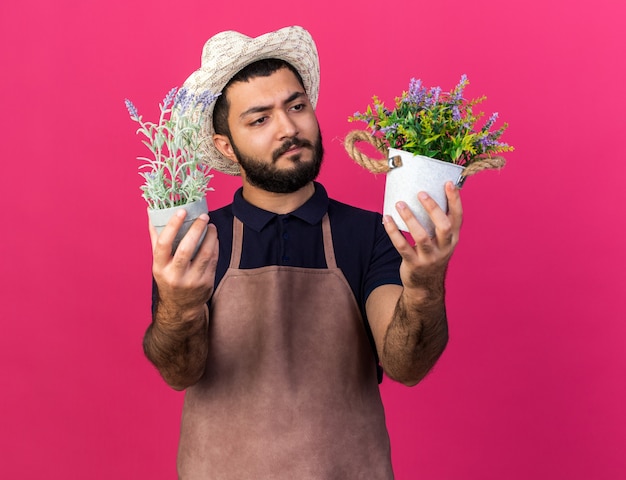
(292, 142)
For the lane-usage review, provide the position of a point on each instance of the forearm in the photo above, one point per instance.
(176, 342)
(416, 336)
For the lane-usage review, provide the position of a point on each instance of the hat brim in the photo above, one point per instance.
(228, 52)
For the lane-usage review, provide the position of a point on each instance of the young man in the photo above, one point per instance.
(276, 330)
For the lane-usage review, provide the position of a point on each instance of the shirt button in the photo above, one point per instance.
(286, 236)
(285, 258)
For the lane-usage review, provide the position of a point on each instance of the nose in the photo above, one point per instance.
(287, 128)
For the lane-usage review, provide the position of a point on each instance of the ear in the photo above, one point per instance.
(223, 144)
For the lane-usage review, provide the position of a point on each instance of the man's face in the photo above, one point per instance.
(275, 136)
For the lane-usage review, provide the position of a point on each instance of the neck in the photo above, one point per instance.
(280, 203)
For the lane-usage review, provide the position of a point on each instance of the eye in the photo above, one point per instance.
(258, 121)
(298, 107)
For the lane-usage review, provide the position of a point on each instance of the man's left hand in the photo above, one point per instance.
(424, 264)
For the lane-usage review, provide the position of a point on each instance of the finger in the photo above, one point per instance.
(205, 261)
(409, 218)
(435, 212)
(455, 208)
(209, 247)
(162, 246)
(416, 229)
(397, 238)
(188, 245)
(444, 234)
(208, 242)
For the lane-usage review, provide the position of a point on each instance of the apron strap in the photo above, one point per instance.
(329, 251)
(235, 254)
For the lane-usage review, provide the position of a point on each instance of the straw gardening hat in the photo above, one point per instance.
(228, 52)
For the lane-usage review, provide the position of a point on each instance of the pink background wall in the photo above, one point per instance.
(533, 382)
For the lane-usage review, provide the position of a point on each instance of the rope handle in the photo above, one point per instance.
(382, 165)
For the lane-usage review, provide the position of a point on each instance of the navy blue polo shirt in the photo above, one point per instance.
(363, 250)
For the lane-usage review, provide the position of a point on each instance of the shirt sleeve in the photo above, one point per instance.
(363, 249)
(384, 263)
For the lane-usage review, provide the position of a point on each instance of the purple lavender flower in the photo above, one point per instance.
(391, 128)
(433, 97)
(484, 143)
(416, 92)
(169, 97)
(457, 93)
(491, 121)
(206, 98)
(132, 110)
(435, 92)
(183, 99)
(456, 113)
(490, 141)
(180, 95)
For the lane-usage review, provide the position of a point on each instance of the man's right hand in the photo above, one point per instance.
(184, 284)
(176, 341)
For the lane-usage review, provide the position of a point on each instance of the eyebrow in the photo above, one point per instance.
(264, 108)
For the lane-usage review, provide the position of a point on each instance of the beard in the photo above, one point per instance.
(270, 178)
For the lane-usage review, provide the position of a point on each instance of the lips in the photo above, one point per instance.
(293, 149)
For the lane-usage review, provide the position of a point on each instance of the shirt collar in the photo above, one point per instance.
(256, 218)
